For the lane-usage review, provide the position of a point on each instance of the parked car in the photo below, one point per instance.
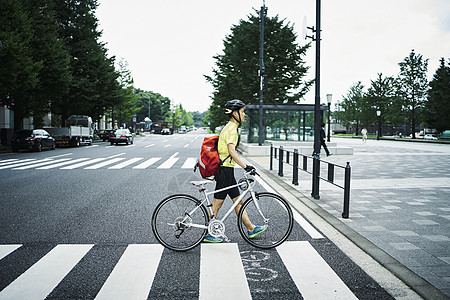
(121, 136)
(36, 140)
(165, 131)
(430, 137)
(104, 134)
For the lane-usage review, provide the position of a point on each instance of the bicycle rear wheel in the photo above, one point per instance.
(172, 222)
(271, 210)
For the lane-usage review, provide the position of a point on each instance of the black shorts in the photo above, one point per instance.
(225, 178)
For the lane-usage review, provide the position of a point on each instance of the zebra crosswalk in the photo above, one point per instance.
(133, 274)
(86, 163)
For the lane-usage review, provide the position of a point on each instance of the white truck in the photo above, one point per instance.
(78, 130)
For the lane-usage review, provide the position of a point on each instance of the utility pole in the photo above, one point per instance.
(262, 72)
(316, 170)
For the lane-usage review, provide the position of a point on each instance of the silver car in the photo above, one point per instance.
(121, 136)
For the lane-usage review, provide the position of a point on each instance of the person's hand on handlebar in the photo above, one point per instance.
(250, 169)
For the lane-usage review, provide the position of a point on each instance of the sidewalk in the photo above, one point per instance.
(399, 207)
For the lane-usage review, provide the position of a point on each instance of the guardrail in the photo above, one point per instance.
(284, 158)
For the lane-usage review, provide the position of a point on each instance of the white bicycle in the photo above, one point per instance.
(181, 222)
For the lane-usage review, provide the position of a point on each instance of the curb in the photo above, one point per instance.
(411, 279)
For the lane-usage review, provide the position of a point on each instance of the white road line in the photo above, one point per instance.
(7, 249)
(306, 226)
(126, 163)
(147, 163)
(23, 163)
(105, 163)
(170, 162)
(110, 146)
(167, 146)
(14, 161)
(82, 164)
(116, 155)
(231, 274)
(187, 145)
(300, 220)
(314, 278)
(60, 155)
(128, 146)
(41, 164)
(62, 164)
(133, 275)
(189, 163)
(39, 280)
(7, 160)
(149, 145)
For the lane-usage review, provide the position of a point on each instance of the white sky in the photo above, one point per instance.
(170, 44)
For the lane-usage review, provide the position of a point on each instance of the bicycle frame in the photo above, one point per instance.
(236, 203)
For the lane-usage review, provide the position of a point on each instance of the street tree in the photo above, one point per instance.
(382, 96)
(19, 71)
(236, 73)
(48, 49)
(413, 86)
(437, 105)
(353, 105)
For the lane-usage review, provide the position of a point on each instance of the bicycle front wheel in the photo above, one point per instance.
(174, 222)
(269, 210)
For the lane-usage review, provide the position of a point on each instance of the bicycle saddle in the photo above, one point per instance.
(201, 182)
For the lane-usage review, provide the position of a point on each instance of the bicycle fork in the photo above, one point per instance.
(255, 200)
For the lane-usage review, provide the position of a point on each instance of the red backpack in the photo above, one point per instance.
(209, 161)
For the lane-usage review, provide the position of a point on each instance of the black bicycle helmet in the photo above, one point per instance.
(233, 105)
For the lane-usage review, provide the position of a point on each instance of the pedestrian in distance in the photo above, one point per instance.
(364, 134)
(322, 139)
(228, 141)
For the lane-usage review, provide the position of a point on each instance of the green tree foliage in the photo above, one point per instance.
(413, 85)
(19, 71)
(236, 72)
(159, 106)
(128, 107)
(437, 106)
(382, 96)
(94, 86)
(353, 106)
(48, 49)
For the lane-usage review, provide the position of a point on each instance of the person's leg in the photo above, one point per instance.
(245, 218)
(325, 147)
(216, 205)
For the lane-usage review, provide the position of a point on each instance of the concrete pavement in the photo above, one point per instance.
(399, 207)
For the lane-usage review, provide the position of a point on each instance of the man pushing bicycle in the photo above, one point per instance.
(228, 141)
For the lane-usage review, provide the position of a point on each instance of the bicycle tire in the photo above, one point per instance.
(174, 208)
(278, 216)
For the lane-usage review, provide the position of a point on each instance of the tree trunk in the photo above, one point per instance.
(18, 120)
(413, 123)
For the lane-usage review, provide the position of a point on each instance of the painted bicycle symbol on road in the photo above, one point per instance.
(253, 262)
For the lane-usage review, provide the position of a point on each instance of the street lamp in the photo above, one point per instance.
(329, 97)
(379, 124)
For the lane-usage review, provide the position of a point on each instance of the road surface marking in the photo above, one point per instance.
(133, 275)
(39, 280)
(105, 163)
(82, 164)
(41, 164)
(230, 275)
(7, 249)
(170, 162)
(22, 163)
(126, 163)
(62, 164)
(314, 278)
(189, 163)
(147, 163)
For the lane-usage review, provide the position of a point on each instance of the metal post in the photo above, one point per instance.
(330, 172)
(329, 122)
(315, 185)
(271, 157)
(295, 168)
(348, 169)
(261, 76)
(315, 178)
(280, 162)
(305, 163)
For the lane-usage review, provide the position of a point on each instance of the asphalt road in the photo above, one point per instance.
(76, 223)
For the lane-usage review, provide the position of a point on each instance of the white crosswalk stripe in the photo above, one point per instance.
(111, 162)
(133, 274)
(39, 280)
